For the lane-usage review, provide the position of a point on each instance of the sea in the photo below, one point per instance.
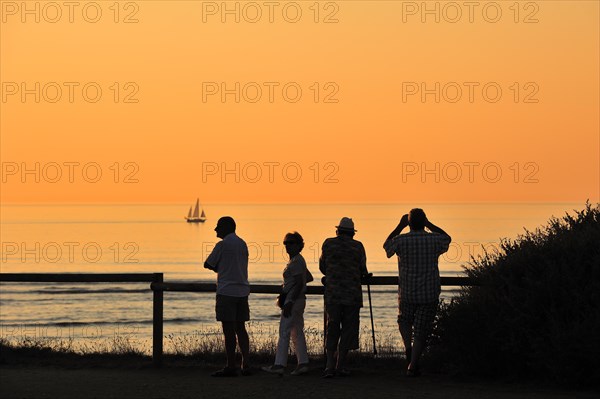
(155, 238)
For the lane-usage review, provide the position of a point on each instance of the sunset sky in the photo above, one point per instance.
(365, 135)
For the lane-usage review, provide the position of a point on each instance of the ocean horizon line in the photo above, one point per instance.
(309, 203)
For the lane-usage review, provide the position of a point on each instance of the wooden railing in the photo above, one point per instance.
(157, 301)
(158, 286)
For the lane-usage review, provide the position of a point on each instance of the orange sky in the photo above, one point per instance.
(369, 146)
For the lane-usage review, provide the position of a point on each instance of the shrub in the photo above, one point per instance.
(536, 312)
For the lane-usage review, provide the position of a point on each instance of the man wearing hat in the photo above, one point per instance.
(343, 262)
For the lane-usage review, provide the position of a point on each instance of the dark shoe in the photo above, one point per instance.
(329, 373)
(413, 372)
(225, 372)
(247, 371)
(301, 369)
(343, 372)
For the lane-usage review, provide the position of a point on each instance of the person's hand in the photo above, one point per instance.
(404, 220)
(287, 309)
(427, 222)
(366, 278)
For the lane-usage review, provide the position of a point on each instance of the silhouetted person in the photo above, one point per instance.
(229, 259)
(295, 277)
(419, 280)
(343, 262)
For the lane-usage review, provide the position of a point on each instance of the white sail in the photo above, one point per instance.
(194, 217)
(197, 209)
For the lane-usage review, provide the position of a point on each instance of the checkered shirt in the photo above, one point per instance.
(418, 252)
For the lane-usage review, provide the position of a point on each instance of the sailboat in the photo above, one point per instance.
(196, 217)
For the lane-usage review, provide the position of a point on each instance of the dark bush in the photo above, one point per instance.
(536, 312)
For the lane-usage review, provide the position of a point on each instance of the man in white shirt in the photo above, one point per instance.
(229, 259)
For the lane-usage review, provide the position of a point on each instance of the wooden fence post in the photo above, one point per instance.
(157, 322)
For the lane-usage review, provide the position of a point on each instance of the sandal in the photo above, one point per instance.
(225, 372)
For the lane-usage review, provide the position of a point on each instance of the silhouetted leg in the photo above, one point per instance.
(341, 360)
(283, 343)
(405, 325)
(349, 334)
(297, 333)
(423, 324)
(331, 358)
(406, 333)
(417, 350)
(334, 315)
(230, 342)
(244, 342)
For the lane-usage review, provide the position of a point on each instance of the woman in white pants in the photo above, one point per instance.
(291, 324)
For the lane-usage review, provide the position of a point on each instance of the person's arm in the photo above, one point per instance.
(293, 295)
(435, 229)
(322, 261)
(443, 238)
(212, 262)
(209, 267)
(364, 273)
(390, 245)
(403, 223)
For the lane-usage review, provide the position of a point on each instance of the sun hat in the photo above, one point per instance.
(346, 224)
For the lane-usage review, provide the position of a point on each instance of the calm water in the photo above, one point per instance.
(155, 238)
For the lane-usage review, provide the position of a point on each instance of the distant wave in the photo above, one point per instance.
(177, 320)
(80, 291)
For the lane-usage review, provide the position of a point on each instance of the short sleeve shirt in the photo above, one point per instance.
(229, 259)
(343, 261)
(418, 272)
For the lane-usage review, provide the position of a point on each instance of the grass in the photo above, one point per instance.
(205, 345)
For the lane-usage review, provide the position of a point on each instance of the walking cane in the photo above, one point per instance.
(371, 311)
(323, 280)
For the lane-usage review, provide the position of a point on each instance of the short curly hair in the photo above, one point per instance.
(296, 237)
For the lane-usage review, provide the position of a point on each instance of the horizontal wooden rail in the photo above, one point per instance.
(79, 277)
(276, 289)
(211, 287)
(158, 287)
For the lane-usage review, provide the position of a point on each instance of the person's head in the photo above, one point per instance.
(417, 219)
(346, 227)
(294, 243)
(225, 225)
